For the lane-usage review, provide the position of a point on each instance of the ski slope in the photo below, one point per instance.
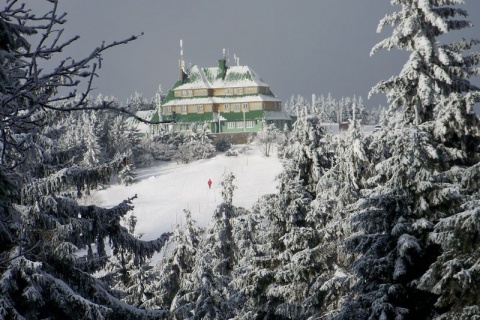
(166, 189)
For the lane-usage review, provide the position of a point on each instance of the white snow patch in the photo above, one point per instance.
(165, 190)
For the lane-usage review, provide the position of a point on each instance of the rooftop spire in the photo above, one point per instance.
(181, 49)
(181, 63)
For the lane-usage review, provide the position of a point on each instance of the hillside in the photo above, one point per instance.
(166, 189)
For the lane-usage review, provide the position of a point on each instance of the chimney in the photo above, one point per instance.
(182, 73)
(222, 67)
(181, 64)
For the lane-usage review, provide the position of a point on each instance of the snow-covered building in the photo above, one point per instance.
(228, 98)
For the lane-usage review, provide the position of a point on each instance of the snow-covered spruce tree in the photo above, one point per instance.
(283, 257)
(336, 191)
(391, 225)
(125, 273)
(249, 275)
(296, 105)
(173, 271)
(455, 276)
(267, 138)
(433, 70)
(205, 295)
(194, 145)
(415, 186)
(201, 145)
(119, 136)
(93, 155)
(42, 229)
(126, 175)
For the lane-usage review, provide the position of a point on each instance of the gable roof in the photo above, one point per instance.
(210, 78)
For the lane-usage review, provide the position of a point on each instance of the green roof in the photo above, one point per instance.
(155, 116)
(209, 74)
(237, 116)
(171, 93)
(237, 76)
(194, 117)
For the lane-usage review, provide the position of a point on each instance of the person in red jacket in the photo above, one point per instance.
(209, 183)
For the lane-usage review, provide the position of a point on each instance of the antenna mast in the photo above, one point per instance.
(181, 63)
(181, 49)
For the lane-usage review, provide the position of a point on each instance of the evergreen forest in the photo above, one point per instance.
(364, 226)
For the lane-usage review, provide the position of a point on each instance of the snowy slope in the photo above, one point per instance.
(168, 188)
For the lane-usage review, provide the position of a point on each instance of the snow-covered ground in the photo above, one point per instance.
(168, 188)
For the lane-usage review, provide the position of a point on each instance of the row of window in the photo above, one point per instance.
(234, 91)
(230, 91)
(236, 107)
(184, 109)
(230, 125)
(187, 93)
(226, 107)
(239, 124)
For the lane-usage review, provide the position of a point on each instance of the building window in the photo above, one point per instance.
(236, 107)
(226, 107)
(200, 108)
(239, 90)
(184, 109)
(189, 93)
(168, 109)
(229, 91)
(245, 106)
(249, 124)
(240, 125)
(231, 125)
(184, 127)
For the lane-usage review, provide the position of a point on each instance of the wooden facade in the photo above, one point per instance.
(231, 99)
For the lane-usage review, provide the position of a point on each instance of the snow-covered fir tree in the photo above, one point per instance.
(281, 256)
(93, 154)
(336, 191)
(267, 138)
(454, 276)
(415, 189)
(205, 295)
(42, 225)
(173, 271)
(126, 175)
(296, 104)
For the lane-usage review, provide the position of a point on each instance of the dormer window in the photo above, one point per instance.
(187, 93)
(239, 90)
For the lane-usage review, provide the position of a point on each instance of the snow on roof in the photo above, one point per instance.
(248, 98)
(236, 76)
(240, 76)
(221, 100)
(189, 101)
(196, 79)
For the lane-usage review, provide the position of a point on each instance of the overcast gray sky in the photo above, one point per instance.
(298, 47)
